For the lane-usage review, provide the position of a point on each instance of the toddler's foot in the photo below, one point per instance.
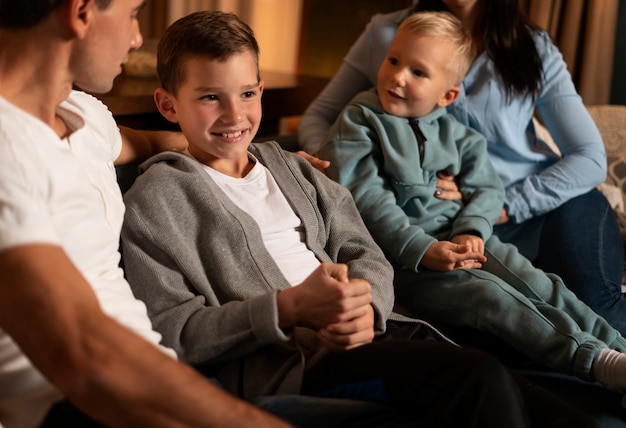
(609, 368)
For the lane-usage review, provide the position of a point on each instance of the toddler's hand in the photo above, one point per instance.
(445, 256)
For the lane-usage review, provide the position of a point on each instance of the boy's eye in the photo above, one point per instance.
(419, 73)
(249, 94)
(393, 61)
(210, 97)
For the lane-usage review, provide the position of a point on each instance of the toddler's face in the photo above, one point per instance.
(415, 77)
(218, 107)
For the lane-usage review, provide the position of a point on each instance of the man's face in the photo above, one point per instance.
(218, 107)
(415, 76)
(111, 34)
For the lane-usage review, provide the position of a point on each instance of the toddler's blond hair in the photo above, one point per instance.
(445, 26)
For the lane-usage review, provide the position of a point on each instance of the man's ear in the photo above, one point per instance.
(450, 95)
(79, 15)
(165, 102)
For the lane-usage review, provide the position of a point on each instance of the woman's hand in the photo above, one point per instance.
(447, 188)
(504, 217)
(317, 163)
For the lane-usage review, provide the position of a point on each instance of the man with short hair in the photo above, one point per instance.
(71, 330)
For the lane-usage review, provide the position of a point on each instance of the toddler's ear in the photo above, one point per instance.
(450, 95)
(166, 103)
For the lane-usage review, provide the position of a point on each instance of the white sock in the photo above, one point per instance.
(609, 368)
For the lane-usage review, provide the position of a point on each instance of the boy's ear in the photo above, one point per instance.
(450, 95)
(164, 101)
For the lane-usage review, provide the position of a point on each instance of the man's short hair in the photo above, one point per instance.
(26, 13)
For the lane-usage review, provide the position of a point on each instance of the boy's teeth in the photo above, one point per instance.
(231, 135)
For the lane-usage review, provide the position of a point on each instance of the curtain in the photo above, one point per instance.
(153, 19)
(584, 31)
(276, 24)
(179, 8)
(158, 14)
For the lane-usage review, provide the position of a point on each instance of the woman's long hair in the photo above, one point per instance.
(509, 43)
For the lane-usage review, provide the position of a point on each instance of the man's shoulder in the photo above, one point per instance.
(16, 122)
(22, 136)
(88, 109)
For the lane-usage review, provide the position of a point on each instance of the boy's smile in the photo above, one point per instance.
(218, 107)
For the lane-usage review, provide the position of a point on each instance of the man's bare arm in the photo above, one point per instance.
(139, 145)
(107, 371)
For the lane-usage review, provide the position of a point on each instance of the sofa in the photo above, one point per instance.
(611, 121)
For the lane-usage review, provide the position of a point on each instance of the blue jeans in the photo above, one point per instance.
(581, 242)
(530, 310)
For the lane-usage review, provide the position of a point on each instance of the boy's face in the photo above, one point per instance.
(415, 78)
(218, 108)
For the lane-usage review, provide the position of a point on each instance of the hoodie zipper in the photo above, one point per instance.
(421, 139)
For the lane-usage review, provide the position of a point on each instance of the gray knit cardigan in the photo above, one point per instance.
(199, 263)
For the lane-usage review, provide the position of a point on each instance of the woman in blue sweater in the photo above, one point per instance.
(552, 211)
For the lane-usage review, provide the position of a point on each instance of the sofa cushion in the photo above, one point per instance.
(611, 121)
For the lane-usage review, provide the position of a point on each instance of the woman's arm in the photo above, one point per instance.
(321, 114)
(139, 145)
(582, 165)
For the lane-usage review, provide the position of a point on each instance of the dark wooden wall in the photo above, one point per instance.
(330, 27)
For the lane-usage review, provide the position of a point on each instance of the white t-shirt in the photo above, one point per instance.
(62, 192)
(283, 233)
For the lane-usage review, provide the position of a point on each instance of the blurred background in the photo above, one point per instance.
(311, 36)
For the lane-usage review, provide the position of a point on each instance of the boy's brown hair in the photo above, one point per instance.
(206, 34)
